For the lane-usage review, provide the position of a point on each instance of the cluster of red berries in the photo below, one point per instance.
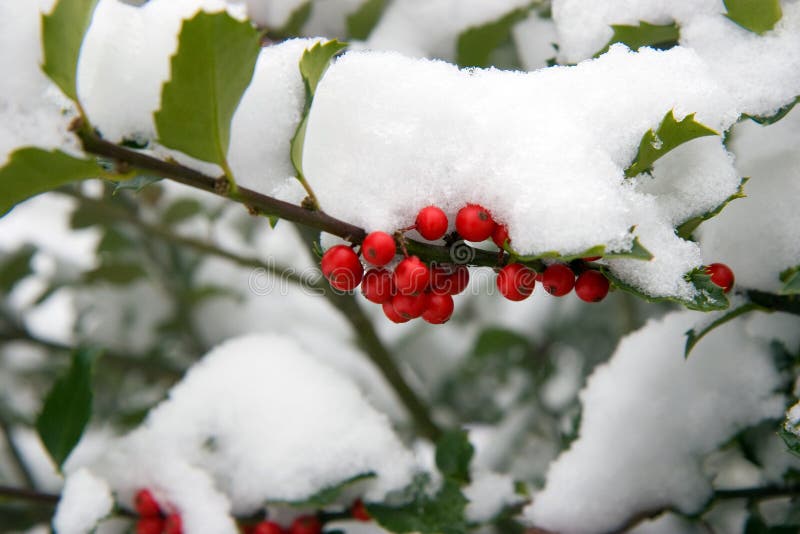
(305, 524)
(152, 519)
(414, 289)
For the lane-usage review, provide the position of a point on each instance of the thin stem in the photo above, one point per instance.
(25, 494)
(378, 354)
(16, 454)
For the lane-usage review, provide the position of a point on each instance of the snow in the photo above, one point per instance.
(257, 420)
(388, 135)
(759, 236)
(271, 14)
(793, 419)
(430, 28)
(648, 419)
(85, 500)
(534, 38)
(488, 494)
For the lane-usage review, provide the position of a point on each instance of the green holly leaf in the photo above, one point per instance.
(296, 19)
(670, 134)
(657, 36)
(758, 16)
(31, 171)
(15, 266)
(687, 228)
(475, 45)
(453, 455)
(775, 117)
(636, 252)
(791, 439)
(180, 210)
(137, 183)
(62, 35)
(442, 513)
(210, 71)
(791, 281)
(68, 407)
(115, 272)
(710, 296)
(694, 335)
(361, 22)
(326, 496)
(313, 64)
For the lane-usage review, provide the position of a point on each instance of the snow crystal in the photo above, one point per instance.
(125, 59)
(85, 500)
(388, 135)
(431, 28)
(759, 236)
(649, 417)
(256, 420)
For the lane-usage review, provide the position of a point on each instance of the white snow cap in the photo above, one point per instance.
(85, 500)
(649, 417)
(256, 420)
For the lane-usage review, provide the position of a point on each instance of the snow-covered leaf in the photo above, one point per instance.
(441, 514)
(313, 65)
(709, 297)
(68, 407)
(637, 252)
(475, 45)
(670, 134)
(361, 22)
(62, 35)
(661, 36)
(775, 117)
(31, 171)
(210, 72)
(686, 229)
(326, 496)
(694, 335)
(758, 16)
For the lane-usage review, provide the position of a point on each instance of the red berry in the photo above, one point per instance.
(145, 504)
(267, 527)
(431, 223)
(500, 235)
(516, 282)
(449, 280)
(359, 511)
(340, 265)
(591, 286)
(378, 248)
(173, 524)
(377, 286)
(410, 306)
(306, 524)
(474, 223)
(149, 525)
(721, 275)
(592, 258)
(391, 314)
(439, 309)
(558, 279)
(411, 276)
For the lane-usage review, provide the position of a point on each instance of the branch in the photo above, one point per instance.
(16, 454)
(781, 303)
(25, 494)
(266, 205)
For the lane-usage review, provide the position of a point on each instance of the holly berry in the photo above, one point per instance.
(431, 223)
(558, 279)
(410, 306)
(592, 258)
(359, 511)
(516, 282)
(591, 286)
(340, 265)
(721, 275)
(149, 525)
(450, 280)
(377, 286)
(474, 223)
(391, 314)
(411, 276)
(500, 235)
(439, 308)
(173, 524)
(145, 504)
(306, 524)
(267, 527)
(378, 248)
